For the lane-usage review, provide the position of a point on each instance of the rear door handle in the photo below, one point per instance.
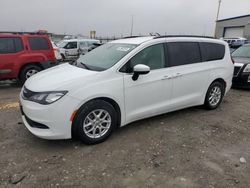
(177, 75)
(166, 77)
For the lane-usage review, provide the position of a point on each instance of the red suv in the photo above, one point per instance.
(24, 54)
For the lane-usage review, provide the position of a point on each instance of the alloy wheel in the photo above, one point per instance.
(215, 96)
(31, 72)
(97, 123)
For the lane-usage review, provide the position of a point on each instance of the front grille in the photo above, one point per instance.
(26, 94)
(35, 124)
(236, 70)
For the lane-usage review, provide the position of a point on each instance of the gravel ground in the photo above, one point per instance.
(188, 148)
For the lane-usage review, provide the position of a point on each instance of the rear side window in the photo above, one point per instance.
(212, 51)
(7, 45)
(183, 53)
(38, 43)
(10, 45)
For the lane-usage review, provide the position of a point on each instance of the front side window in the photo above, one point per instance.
(71, 45)
(152, 56)
(183, 53)
(243, 52)
(105, 56)
(38, 43)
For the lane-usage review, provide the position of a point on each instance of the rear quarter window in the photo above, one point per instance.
(10, 45)
(38, 43)
(212, 51)
(7, 45)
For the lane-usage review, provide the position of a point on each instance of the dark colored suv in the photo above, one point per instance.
(24, 54)
(241, 58)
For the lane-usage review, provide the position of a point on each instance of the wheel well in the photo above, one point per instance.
(113, 103)
(221, 81)
(116, 107)
(33, 63)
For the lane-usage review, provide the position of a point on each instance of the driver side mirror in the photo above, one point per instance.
(140, 69)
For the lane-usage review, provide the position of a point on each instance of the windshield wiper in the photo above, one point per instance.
(83, 64)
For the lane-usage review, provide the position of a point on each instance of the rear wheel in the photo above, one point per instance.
(214, 95)
(95, 122)
(28, 71)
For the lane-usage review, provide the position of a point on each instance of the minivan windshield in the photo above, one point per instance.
(105, 56)
(243, 52)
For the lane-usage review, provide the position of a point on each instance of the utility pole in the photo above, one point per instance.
(132, 25)
(217, 17)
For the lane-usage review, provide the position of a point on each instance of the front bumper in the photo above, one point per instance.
(54, 118)
(241, 79)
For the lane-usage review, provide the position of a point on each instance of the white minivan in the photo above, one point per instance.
(70, 49)
(124, 81)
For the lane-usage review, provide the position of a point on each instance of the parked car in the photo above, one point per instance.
(235, 42)
(24, 54)
(56, 52)
(124, 81)
(71, 49)
(241, 58)
(93, 46)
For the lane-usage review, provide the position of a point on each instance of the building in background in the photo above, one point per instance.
(233, 27)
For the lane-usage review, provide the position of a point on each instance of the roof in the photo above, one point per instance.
(134, 40)
(233, 18)
(75, 40)
(140, 40)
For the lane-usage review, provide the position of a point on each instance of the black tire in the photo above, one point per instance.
(26, 70)
(209, 104)
(81, 118)
(63, 58)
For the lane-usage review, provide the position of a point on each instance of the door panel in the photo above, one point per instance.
(190, 74)
(147, 96)
(150, 94)
(189, 82)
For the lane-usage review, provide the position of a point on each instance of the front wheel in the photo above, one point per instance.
(214, 95)
(28, 71)
(95, 122)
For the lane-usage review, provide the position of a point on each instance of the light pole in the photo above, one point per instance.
(132, 25)
(217, 17)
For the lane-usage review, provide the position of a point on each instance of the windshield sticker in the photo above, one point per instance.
(123, 49)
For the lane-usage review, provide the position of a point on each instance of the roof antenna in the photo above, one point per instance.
(154, 34)
(157, 34)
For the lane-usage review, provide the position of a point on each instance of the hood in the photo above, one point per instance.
(61, 77)
(241, 60)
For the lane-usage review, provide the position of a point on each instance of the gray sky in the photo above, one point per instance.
(113, 17)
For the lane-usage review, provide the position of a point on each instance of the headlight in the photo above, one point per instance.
(47, 97)
(247, 68)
